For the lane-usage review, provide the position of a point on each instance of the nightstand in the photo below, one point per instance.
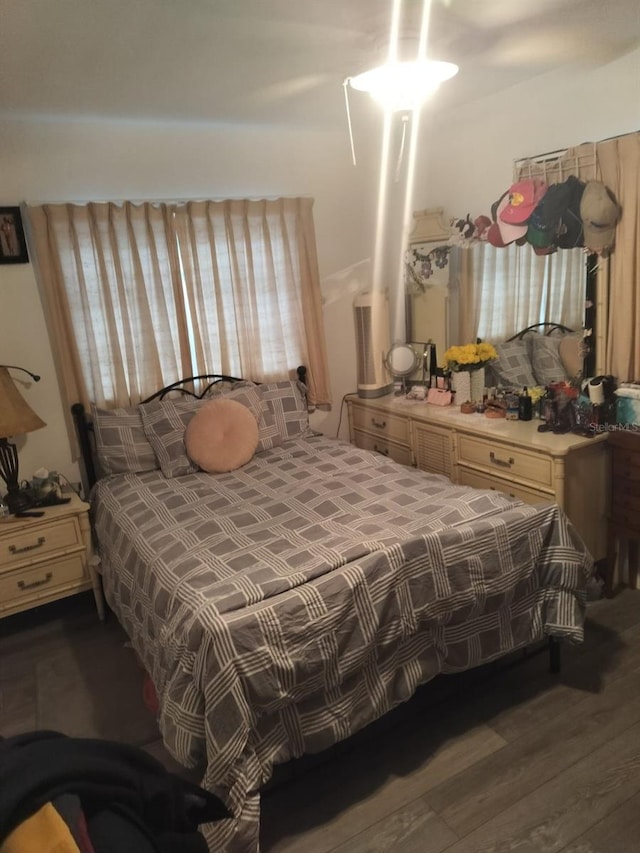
(624, 516)
(44, 559)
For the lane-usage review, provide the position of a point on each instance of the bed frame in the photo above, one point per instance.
(549, 329)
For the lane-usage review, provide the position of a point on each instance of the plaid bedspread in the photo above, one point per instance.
(283, 606)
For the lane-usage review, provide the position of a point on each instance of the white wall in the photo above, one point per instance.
(470, 151)
(73, 160)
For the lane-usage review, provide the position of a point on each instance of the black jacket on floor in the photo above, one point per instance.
(127, 795)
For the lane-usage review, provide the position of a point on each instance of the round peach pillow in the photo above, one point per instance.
(221, 436)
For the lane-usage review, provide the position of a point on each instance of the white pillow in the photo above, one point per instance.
(221, 436)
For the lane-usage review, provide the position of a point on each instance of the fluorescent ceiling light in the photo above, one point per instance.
(404, 85)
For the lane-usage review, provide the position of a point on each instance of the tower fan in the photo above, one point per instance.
(371, 316)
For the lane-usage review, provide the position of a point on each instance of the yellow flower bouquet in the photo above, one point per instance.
(469, 357)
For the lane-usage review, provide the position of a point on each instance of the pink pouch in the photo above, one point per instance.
(439, 397)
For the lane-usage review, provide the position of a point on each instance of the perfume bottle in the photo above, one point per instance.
(525, 406)
(513, 408)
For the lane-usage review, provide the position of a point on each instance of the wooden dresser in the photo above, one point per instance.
(511, 456)
(624, 516)
(47, 558)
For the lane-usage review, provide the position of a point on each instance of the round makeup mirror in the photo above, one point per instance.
(401, 361)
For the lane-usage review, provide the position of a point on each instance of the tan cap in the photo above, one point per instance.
(599, 212)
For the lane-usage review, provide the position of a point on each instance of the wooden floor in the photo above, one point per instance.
(508, 759)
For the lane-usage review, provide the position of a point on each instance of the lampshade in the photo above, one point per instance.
(404, 85)
(16, 416)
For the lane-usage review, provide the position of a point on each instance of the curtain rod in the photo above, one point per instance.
(161, 200)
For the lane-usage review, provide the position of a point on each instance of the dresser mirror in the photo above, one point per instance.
(427, 279)
(562, 288)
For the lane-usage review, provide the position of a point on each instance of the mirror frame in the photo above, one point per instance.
(406, 348)
(431, 231)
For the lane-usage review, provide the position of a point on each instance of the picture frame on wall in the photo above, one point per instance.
(13, 246)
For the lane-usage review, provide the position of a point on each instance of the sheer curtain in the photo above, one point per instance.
(138, 296)
(110, 280)
(508, 289)
(252, 284)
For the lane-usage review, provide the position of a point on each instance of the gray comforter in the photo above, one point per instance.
(283, 606)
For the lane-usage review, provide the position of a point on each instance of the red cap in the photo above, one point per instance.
(524, 197)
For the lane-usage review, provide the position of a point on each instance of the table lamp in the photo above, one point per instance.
(16, 417)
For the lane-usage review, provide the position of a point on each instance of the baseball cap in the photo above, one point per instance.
(493, 232)
(544, 222)
(508, 232)
(599, 212)
(545, 250)
(494, 236)
(524, 196)
(570, 233)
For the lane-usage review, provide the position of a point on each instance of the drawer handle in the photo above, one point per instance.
(378, 424)
(15, 550)
(384, 452)
(504, 463)
(34, 584)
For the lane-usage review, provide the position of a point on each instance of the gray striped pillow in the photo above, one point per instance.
(121, 444)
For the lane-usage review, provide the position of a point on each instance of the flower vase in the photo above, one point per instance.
(477, 385)
(461, 384)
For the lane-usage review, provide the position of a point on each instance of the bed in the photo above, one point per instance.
(285, 605)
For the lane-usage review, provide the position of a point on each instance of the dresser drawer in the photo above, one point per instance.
(398, 452)
(623, 486)
(626, 466)
(38, 581)
(482, 481)
(432, 448)
(505, 459)
(392, 427)
(627, 505)
(36, 542)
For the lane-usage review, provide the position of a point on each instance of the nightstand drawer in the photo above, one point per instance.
(398, 452)
(37, 541)
(38, 581)
(482, 481)
(381, 423)
(510, 461)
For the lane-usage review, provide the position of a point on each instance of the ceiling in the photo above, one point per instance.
(278, 61)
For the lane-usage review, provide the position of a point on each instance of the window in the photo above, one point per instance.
(143, 294)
